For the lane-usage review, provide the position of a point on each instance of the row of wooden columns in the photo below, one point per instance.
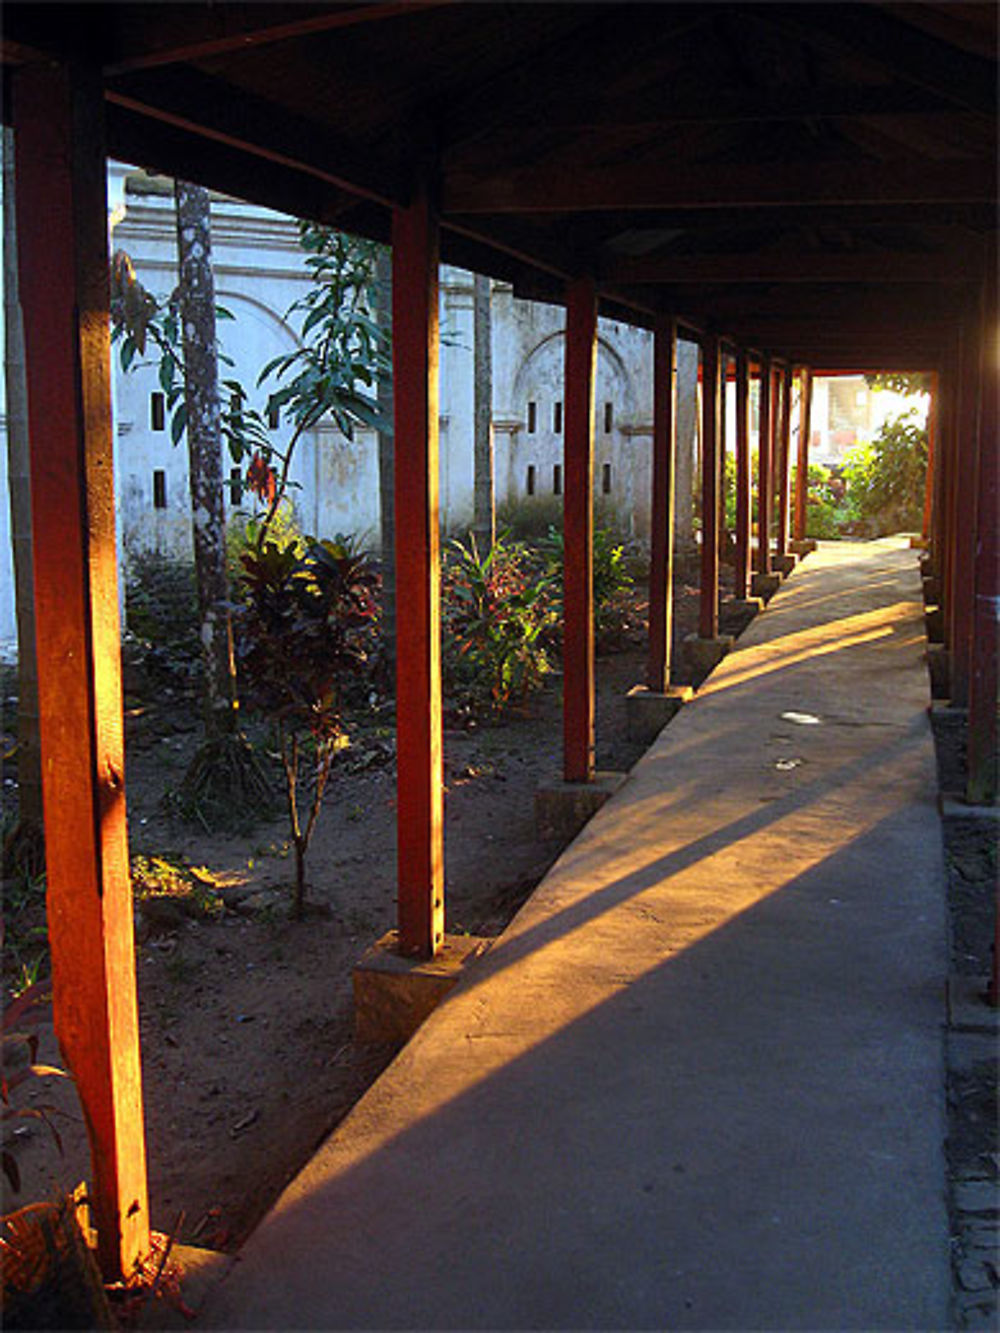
(64, 266)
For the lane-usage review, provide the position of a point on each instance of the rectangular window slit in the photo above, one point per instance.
(157, 411)
(557, 479)
(608, 418)
(159, 489)
(557, 418)
(530, 484)
(532, 418)
(235, 486)
(606, 479)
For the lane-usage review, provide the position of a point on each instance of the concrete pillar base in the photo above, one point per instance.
(802, 545)
(765, 586)
(919, 543)
(393, 995)
(736, 614)
(932, 590)
(784, 564)
(562, 810)
(934, 624)
(704, 655)
(939, 669)
(647, 711)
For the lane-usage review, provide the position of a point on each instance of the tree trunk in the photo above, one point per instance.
(383, 315)
(484, 520)
(197, 316)
(29, 767)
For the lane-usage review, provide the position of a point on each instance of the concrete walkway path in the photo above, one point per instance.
(698, 1083)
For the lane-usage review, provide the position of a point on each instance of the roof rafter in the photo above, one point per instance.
(208, 108)
(644, 185)
(788, 267)
(227, 28)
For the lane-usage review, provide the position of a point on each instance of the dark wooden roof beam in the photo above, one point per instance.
(797, 267)
(180, 34)
(898, 48)
(590, 58)
(662, 185)
(212, 110)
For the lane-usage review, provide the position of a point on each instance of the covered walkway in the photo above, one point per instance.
(698, 1083)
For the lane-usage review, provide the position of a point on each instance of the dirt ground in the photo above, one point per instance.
(249, 1058)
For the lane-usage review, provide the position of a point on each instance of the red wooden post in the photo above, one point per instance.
(721, 451)
(802, 454)
(661, 565)
(63, 264)
(982, 733)
(930, 481)
(708, 623)
(420, 816)
(578, 532)
(782, 452)
(764, 504)
(962, 569)
(741, 587)
(948, 455)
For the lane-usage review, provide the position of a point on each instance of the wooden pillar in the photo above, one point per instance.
(930, 481)
(802, 455)
(948, 456)
(420, 817)
(741, 587)
(782, 454)
(966, 458)
(661, 564)
(723, 536)
(764, 505)
(63, 261)
(578, 532)
(982, 732)
(708, 623)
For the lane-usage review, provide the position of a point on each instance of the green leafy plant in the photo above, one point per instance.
(498, 612)
(333, 372)
(307, 623)
(613, 579)
(885, 479)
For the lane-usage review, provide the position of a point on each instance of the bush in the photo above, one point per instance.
(885, 479)
(613, 580)
(161, 615)
(497, 615)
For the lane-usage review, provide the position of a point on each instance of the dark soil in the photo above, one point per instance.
(249, 1058)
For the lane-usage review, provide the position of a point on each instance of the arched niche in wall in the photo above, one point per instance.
(535, 450)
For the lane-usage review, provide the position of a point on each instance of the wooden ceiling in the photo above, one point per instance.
(816, 181)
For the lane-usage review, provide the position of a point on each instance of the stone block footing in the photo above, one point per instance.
(765, 586)
(919, 543)
(784, 564)
(393, 994)
(562, 810)
(939, 669)
(802, 545)
(934, 624)
(648, 711)
(932, 590)
(736, 613)
(704, 655)
(969, 1009)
